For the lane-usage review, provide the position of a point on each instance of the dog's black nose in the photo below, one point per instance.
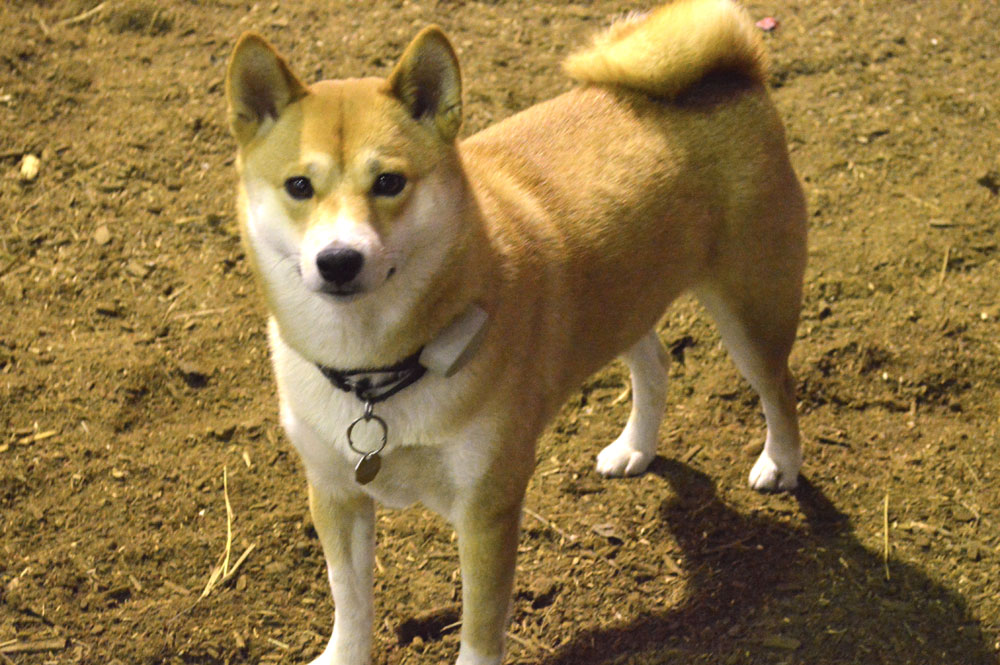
(339, 265)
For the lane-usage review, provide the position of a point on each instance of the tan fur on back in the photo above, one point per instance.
(673, 48)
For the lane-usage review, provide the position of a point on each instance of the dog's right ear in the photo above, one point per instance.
(259, 85)
(428, 82)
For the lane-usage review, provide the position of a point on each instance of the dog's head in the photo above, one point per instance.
(342, 183)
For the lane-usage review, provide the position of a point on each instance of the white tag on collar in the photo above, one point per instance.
(451, 349)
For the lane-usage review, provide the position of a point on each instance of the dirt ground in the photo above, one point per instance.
(136, 396)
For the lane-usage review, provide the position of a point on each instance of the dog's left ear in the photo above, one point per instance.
(428, 82)
(259, 85)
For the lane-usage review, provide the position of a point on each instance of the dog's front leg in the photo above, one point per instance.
(487, 546)
(346, 529)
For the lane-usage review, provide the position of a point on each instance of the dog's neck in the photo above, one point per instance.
(444, 355)
(449, 306)
(376, 384)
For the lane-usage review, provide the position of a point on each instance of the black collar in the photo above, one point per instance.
(378, 384)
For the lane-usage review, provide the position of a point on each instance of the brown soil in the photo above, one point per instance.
(133, 367)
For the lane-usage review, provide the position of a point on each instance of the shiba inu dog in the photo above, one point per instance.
(433, 302)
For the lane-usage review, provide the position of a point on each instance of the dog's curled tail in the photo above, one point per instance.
(666, 52)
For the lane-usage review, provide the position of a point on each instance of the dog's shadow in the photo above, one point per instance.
(782, 593)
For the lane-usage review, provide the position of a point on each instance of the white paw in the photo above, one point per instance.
(621, 458)
(325, 658)
(329, 659)
(769, 475)
(330, 656)
(468, 656)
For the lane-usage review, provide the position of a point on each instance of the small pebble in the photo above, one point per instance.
(30, 165)
(102, 236)
(138, 269)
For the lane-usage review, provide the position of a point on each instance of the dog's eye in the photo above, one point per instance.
(299, 188)
(388, 184)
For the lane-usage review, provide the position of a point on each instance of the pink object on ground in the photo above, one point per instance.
(767, 24)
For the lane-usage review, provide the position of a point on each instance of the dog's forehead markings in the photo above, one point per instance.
(326, 120)
(339, 132)
(373, 165)
(317, 165)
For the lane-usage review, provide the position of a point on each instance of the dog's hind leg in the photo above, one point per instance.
(758, 326)
(635, 447)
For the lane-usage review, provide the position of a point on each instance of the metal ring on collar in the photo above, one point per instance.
(368, 417)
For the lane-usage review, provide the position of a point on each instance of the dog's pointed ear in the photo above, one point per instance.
(259, 85)
(428, 82)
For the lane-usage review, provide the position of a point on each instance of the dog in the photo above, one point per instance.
(434, 301)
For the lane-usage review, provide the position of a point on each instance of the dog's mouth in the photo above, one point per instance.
(341, 293)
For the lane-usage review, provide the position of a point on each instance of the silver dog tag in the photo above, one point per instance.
(367, 468)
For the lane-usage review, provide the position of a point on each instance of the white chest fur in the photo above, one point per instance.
(426, 459)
